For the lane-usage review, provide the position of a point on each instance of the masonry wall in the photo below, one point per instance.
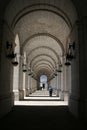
(6, 80)
(75, 88)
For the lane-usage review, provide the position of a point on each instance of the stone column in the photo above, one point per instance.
(21, 91)
(78, 94)
(57, 86)
(67, 82)
(62, 82)
(6, 73)
(30, 89)
(57, 83)
(16, 82)
(27, 84)
(62, 86)
(31, 84)
(82, 30)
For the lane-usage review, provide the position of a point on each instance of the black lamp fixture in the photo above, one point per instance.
(70, 55)
(14, 61)
(59, 68)
(71, 51)
(10, 50)
(55, 73)
(29, 72)
(32, 75)
(24, 68)
(67, 63)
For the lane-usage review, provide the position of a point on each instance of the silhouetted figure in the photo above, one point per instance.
(43, 86)
(50, 91)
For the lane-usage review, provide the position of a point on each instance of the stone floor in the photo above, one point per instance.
(40, 111)
(41, 117)
(41, 98)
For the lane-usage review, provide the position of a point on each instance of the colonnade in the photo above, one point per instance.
(24, 84)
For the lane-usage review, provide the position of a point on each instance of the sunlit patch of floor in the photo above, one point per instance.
(41, 103)
(41, 98)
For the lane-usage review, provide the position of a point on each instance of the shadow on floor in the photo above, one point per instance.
(43, 117)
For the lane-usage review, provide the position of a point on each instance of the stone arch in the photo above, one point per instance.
(44, 48)
(56, 5)
(39, 64)
(42, 61)
(43, 55)
(41, 58)
(44, 34)
(16, 69)
(62, 15)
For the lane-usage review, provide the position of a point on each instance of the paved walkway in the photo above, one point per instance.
(41, 117)
(41, 98)
(36, 112)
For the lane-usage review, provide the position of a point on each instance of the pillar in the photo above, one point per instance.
(61, 82)
(27, 84)
(57, 83)
(78, 94)
(61, 86)
(21, 91)
(67, 82)
(6, 73)
(82, 30)
(16, 83)
(30, 85)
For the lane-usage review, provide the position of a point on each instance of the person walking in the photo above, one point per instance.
(50, 91)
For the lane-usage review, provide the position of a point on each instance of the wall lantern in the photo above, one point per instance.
(70, 51)
(59, 68)
(55, 74)
(24, 68)
(29, 72)
(70, 55)
(59, 71)
(67, 63)
(14, 61)
(32, 76)
(10, 50)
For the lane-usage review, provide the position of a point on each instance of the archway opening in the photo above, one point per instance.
(43, 82)
(52, 21)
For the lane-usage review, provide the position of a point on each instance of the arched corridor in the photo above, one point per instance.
(43, 59)
(43, 48)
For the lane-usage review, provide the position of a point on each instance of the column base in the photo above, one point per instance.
(27, 92)
(66, 95)
(57, 93)
(21, 94)
(16, 95)
(6, 103)
(61, 95)
(78, 107)
(30, 91)
(73, 105)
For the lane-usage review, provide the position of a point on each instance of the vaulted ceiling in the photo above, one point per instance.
(43, 28)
